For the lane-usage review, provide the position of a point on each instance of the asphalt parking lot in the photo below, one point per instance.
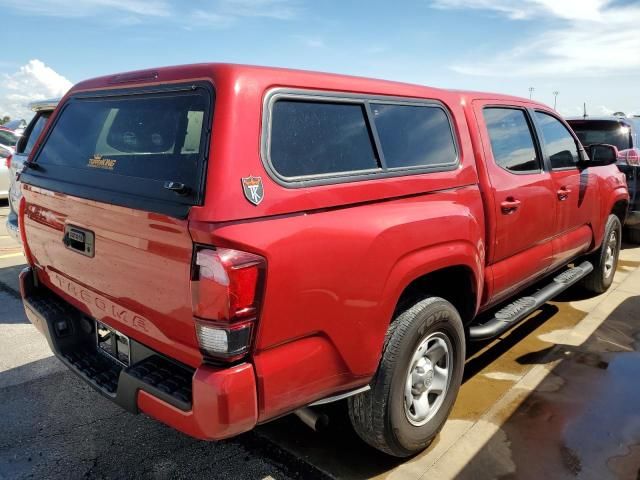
(556, 397)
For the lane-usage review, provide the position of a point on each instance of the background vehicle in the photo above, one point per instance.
(43, 110)
(8, 138)
(624, 134)
(5, 154)
(217, 252)
(17, 126)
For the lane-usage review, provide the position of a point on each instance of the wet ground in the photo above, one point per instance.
(556, 397)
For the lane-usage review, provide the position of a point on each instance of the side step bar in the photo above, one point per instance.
(515, 312)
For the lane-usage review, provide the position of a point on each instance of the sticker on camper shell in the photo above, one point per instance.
(253, 189)
(98, 161)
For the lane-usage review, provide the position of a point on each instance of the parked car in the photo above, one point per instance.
(17, 126)
(220, 245)
(624, 134)
(42, 110)
(5, 154)
(8, 138)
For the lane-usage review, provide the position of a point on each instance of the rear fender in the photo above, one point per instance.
(430, 260)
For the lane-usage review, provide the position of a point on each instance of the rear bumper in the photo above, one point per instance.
(208, 403)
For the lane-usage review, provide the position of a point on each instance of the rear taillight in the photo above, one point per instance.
(22, 210)
(631, 156)
(8, 161)
(226, 292)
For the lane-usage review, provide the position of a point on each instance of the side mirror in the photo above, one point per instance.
(602, 154)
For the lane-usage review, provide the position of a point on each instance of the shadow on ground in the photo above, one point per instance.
(56, 427)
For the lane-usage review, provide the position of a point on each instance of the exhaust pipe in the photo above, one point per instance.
(315, 421)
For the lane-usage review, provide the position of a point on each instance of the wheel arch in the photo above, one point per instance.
(619, 209)
(456, 284)
(451, 270)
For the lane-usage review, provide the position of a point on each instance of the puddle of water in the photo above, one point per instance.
(584, 418)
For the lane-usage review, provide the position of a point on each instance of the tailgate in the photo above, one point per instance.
(106, 207)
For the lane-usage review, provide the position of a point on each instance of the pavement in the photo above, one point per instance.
(555, 397)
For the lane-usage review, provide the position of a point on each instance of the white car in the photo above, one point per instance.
(8, 138)
(5, 153)
(17, 126)
(43, 110)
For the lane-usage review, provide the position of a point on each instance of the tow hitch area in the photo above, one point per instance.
(113, 343)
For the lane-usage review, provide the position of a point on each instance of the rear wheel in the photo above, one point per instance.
(417, 381)
(605, 259)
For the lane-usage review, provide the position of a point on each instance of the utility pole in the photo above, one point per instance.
(555, 99)
(531, 89)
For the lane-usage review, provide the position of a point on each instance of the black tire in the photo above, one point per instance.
(601, 278)
(378, 415)
(633, 234)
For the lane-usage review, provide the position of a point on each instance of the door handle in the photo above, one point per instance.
(563, 193)
(510, 205)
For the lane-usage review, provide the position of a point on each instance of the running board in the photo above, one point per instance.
(517, 311)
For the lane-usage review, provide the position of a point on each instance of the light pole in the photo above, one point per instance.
(531, 89)
(555, 99)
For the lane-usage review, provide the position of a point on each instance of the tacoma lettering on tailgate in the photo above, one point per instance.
(94, 301)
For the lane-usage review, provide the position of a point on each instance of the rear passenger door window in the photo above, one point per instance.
(559, 144)
(512, 143)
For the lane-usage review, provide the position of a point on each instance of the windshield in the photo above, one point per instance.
(610, 132)
(8, 139)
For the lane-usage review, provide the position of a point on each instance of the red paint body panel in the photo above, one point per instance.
(138, 281)
(224, 404)
(338, 256)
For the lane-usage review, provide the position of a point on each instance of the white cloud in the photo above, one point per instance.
(218, 14)
(278, 9)
(310, 42)
(33, 81)
(85, 8)
(203, 18)
(586, 37)
(226, 13)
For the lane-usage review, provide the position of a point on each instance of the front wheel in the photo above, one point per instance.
(417, 380)
(605, 259)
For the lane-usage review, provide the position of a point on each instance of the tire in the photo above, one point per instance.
(633, 234)
(380, 416)
(605, 259)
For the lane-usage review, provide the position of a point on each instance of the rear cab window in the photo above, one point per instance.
(312, 139)
(129, 148)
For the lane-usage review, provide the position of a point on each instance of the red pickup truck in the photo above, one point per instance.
(219, 245)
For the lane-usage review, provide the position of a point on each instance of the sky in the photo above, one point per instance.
(586, 50)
